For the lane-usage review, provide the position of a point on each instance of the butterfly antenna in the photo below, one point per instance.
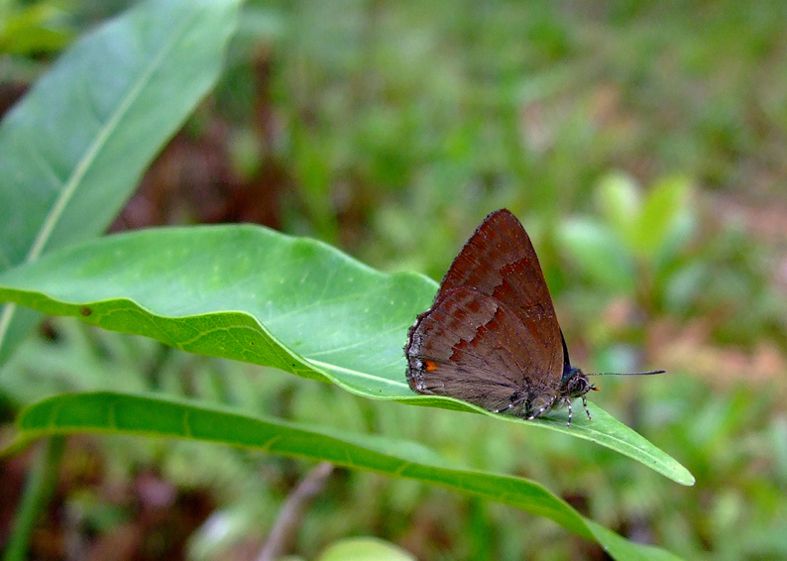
(646, 373)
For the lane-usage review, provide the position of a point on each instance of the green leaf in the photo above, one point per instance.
(664, 210)
(619, 201)
(107, 412)
(74, 148)
(599, 253)
(32, 30)
(364, 549)
(255, 295)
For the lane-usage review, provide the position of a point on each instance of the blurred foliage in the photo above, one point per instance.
(33, 29)
(616, 131)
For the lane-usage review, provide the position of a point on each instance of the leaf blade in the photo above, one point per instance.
(75, 146)
(107, 412)
(251, 294)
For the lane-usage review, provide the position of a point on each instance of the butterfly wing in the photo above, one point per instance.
(499, 261)
(472, 347)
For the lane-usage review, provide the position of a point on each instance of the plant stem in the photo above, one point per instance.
(290, 517)
(38, 489)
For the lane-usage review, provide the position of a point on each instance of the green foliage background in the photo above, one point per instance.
(621, 135)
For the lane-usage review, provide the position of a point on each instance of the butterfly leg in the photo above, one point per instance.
(585, 405)
(570, 413)
(504, 409)
(546, 407)
(515, 400)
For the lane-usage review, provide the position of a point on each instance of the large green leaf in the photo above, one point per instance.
(255, 295)
(73, 149)
(106, 412)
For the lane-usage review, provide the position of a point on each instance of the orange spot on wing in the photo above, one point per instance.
(430, 365)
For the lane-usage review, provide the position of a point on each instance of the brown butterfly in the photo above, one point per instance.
(492, 337)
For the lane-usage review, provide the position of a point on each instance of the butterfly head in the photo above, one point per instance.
(576, 383)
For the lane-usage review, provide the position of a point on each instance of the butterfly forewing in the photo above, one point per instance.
(499, 260)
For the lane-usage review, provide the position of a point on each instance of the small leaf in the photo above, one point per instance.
(73, 149)
(255, 295)
(32, 30)
(620, 202)
(106, 412)
(661, 213)
(599, 253)
(364, 549)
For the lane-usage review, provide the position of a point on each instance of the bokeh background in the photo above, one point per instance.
(644, 147)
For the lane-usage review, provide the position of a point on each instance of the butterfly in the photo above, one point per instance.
(491, 336)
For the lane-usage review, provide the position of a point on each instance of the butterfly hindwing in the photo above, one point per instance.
(471, 346)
